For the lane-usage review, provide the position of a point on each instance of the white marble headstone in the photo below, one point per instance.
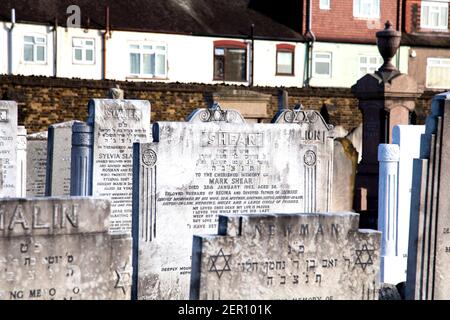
(117, 125)
(193, 172)
(8, 147)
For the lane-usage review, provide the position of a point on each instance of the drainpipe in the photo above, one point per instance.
(10, 41)
(310, 45)
(55, 46)
(252, 65)
(106, 36)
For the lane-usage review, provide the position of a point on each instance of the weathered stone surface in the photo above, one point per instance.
(428, 274)
(36, 164)
(195, 171)
(59, 159)
(8, 141)
(389, 292)
(287, 256)
(59, 248)
(117, 125)
(345, 162)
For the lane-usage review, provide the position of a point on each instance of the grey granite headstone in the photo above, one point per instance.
(117, 125)
(194, 171)
(59, 248)
(287, 256)
(8, 141)
(36, 164)
(59, 159)
(428, 273)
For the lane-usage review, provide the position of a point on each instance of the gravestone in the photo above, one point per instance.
(215, 164)
(344, 171)
(1, 176)
(321, 256)
(59, 159)
(36, 164)
(59, 248)
(8, 145)
(21, 150)
(117, 125)
(395, 183)
(428, 276)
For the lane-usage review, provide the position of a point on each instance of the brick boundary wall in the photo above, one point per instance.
(44, 101)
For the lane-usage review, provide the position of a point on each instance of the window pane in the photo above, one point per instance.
(40, 40)
(219, 51)
(424, 15)
(444, 17)
(28, 39)
(362, 60)
(148, 47)
(219, 67)
(323, 68)
(149, 63)
(235, 65)
(161, 64)
(373, 60)
(78, 54)
(135, 63)
(322, 56)
(134, 46)
(28, 52)
(40, 53)
(89, 42)
(89, 55)
(161, 48)
(284, 62)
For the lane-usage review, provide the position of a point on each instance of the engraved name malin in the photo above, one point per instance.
(127, 113)
(301, 229)
(225, 139)
(20, 217)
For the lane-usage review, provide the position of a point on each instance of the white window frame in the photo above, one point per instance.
(436, 62)
(369, 65)
(374, 12)
(433, 7)
(84, 47)
(328, 60)
(324, 4)
(35, 45)
(141, 51)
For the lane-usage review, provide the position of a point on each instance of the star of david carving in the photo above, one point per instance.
(220, 263)
(364, 257)
(121, 282)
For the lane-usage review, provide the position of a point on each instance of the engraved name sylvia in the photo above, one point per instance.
(224, 139)
(20, 217)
